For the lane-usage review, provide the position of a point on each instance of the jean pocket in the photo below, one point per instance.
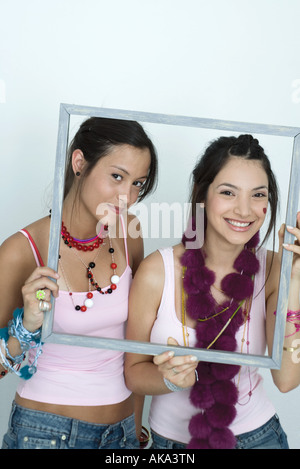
(27, 441)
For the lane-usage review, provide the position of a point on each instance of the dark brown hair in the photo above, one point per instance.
(97, 136)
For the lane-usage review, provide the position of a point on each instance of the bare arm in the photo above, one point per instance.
(19, 281)
(288, 377)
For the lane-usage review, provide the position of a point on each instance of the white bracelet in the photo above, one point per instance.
(174, 388)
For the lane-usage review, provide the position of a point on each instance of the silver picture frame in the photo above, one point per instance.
(272, 361)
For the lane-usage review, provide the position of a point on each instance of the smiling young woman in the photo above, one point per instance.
(221, 296)
(235, 212)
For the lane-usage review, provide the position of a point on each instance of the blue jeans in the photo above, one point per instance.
(268, 436)
(31, 429)
(159, 442)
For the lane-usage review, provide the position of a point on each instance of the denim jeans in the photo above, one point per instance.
(31, 429)
(159, 442)
(268, 436)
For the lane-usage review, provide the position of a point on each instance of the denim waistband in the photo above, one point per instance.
(65, 427)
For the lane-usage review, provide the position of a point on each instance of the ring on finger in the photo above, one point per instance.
(44, 306)
(40, 295)
(175, 371)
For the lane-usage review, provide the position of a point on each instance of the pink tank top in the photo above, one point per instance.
(70, 375)
(170, 413)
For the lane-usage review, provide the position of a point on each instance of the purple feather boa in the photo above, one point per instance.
(215, 394)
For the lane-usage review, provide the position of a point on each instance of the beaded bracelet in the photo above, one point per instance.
(25, 338)
(16, 360)
(293, 317)
(8, 362)
(28, 340)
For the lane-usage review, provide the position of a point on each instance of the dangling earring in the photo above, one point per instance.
(77, 174)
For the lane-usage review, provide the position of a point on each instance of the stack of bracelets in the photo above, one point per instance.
(27, 340)
(292, 317)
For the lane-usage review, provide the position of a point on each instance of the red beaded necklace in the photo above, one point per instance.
(81, 244)
(73, 242)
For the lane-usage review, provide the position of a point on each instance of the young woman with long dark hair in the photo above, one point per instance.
(76, 397)
(220, 296)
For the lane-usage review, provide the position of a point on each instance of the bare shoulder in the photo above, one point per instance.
(39, 227)
(39, 231)
(151, 268)
(15, 251)
(155, 260)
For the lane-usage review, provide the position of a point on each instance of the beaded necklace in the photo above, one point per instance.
(81, 244)
(92, 282)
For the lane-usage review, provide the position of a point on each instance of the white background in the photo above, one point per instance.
(232, 60)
